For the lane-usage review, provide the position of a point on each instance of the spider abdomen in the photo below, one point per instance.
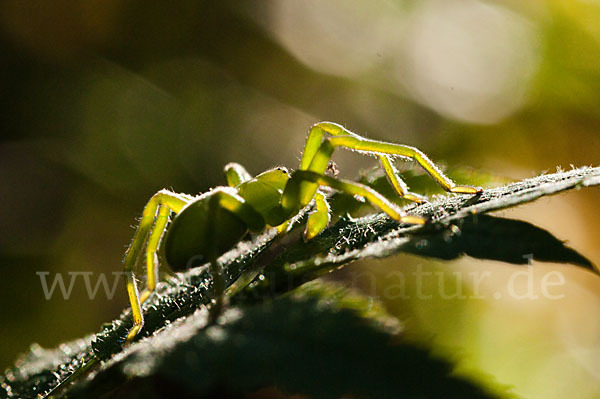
(197, 230)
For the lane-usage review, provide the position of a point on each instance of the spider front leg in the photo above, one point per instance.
(317, 154)
(319, 217)
(236, 174)
(162, 203)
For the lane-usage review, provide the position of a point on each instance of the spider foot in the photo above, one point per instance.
(412, 219)
(133, 332)
(419, 199)
(466, 190)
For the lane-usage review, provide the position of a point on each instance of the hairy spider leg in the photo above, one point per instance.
(160, 223)
(293, 196)
(315, 138)
(318, 150)
(397, 183)
(319, 218)
(235, 174)
(162, 202)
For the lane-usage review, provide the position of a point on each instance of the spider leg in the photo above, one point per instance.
(319, 218)
(292, 197)
(151, 247)
(397, 183)
(235, 174)
(317, 154)
(168, 201)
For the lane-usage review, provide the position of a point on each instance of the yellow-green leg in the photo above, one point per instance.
(151, 248)
(319, 217)
(397, 183)
(315, 138)
(317, 154)
(292, 196)
(162, 202)
(236, 174)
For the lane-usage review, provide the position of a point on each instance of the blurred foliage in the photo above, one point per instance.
(106, 102)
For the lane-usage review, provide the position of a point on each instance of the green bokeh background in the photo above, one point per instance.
(105, 102)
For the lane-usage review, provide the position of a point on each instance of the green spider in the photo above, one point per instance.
(206, 226)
